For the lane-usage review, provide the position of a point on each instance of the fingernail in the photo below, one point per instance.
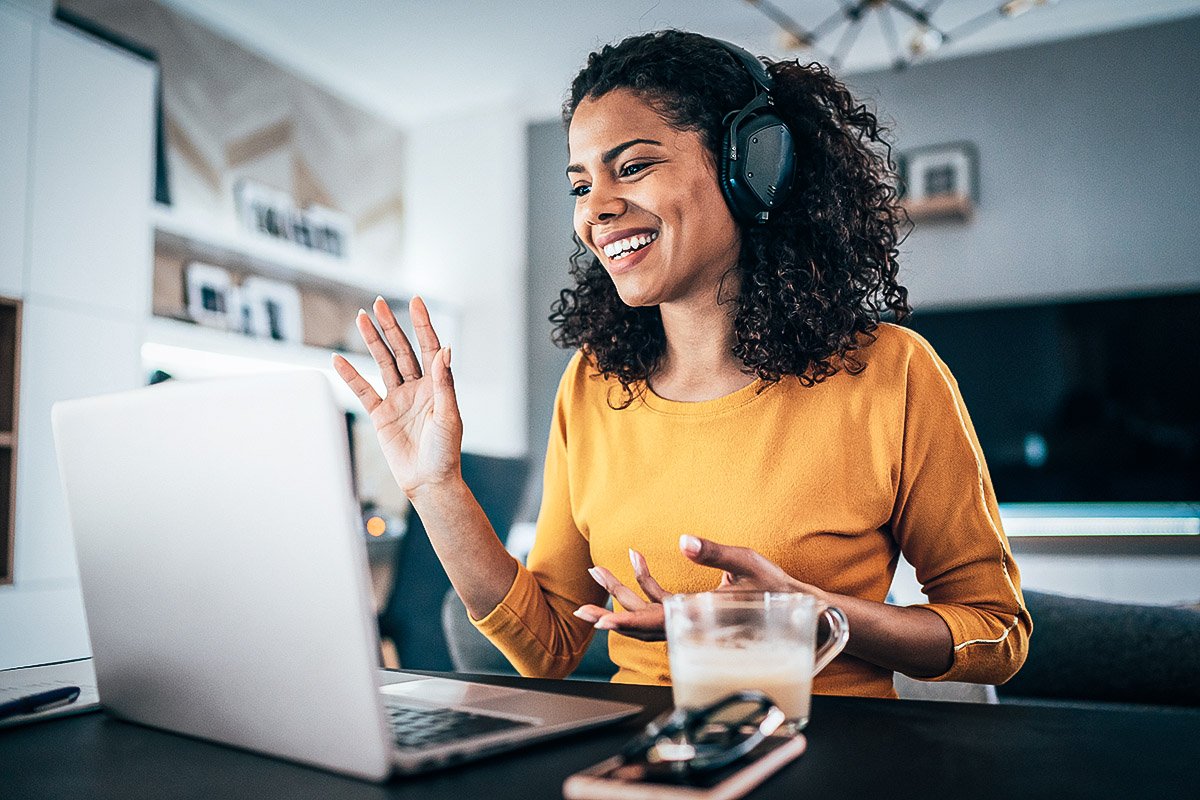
(596, 576)
(362, 312)
(585, 615)
(689, 545)
(604, 624)
(633, 559)
(447, 357)
(380, 299)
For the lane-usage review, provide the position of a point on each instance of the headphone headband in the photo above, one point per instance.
(755, 67)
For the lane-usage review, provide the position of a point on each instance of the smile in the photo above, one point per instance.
(623, 247)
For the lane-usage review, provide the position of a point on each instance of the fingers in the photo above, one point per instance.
(639, 619)
(647, 624)
(406, 360)
(379, 350)
(645, 580)
(591, 613)
(622, 593)
(741, 561)
(445, 401)
(427, 338)
(364, 391)
(741, 566)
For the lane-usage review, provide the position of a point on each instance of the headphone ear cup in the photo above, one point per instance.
(769, 164)
(761, 179)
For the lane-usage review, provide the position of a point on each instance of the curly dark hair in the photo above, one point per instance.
(815, 279)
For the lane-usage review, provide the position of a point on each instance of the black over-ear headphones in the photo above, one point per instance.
(757, 162)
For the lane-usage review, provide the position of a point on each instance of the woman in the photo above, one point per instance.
(736, 413)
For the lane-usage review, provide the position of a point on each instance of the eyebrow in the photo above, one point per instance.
(608, 155)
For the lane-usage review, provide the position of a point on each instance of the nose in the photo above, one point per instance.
(604, 202)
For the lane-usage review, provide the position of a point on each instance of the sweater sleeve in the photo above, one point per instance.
(947, 524)
(534, 625)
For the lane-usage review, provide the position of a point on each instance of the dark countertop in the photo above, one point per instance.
(858, 748)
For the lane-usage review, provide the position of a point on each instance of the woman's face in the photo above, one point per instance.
(647, 202)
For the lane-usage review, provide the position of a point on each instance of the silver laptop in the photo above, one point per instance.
(225, 581)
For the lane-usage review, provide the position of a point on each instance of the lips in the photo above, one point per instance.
(625, 249)
(608, 238)
(629, 260)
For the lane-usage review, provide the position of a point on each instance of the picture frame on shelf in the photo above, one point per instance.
(269, 212)
(271, 310)
(263, 209)
(328, 230)
(211, 295)
(940, 182)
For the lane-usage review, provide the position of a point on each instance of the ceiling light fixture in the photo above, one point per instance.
(924, 36)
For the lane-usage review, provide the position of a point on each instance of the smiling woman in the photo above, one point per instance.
(736, 415)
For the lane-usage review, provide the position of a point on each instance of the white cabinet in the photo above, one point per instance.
(16, 77)
(78, 178)
(93, 162)
(64, 354)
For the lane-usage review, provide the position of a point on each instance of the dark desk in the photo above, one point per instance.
(859, 749)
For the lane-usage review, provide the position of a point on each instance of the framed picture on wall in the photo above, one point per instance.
(271, 310)
(211, 295)
(940, 181)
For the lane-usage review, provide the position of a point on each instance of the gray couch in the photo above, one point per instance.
(1093, 651)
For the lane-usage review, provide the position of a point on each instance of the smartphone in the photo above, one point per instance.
(620, 779)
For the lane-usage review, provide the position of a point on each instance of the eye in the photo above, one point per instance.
(580, 190)
(634, 168)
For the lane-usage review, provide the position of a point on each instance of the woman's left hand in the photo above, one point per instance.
(742, 568)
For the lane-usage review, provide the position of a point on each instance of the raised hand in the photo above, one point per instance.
(417, 421)
(643, 618)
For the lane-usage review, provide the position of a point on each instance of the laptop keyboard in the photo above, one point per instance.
(421, 727)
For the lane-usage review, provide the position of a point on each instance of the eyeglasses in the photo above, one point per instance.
(708, 738)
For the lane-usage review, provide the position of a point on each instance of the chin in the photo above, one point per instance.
(636, 297)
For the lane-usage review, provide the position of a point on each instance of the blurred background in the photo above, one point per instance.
(194, 188)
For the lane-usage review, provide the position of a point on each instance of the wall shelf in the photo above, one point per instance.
(332, 290)
(201, 240)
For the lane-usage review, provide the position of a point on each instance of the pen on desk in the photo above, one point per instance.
(42, 701)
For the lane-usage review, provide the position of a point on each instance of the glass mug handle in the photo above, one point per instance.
(839, 634)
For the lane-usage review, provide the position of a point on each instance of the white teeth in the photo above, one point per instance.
(624, 247)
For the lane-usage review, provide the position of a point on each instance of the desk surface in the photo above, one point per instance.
(858, 748)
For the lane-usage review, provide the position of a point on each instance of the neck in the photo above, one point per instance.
(698, 363)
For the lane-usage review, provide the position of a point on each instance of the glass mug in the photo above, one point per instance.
(723, 642)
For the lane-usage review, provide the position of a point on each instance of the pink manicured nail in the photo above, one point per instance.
(636, 560)
(689, 545)
(596, 576)
(604, 624)
(586, 616)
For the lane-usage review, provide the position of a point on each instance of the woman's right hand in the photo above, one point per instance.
(417, 421)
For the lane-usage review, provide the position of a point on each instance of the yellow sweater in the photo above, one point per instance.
(831, 482)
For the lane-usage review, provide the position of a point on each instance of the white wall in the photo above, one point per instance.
(1089, 182)
(466, 228)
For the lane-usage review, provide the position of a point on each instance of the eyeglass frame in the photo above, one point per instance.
(655, 746)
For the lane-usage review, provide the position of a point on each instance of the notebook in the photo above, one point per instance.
(225, 582)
